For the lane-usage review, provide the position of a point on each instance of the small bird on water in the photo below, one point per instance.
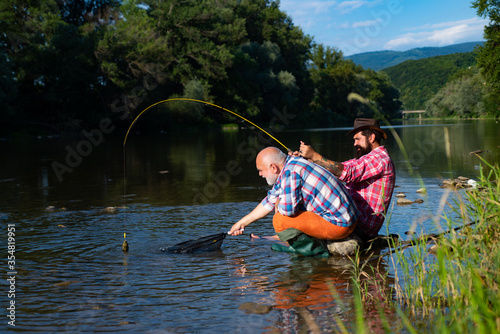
(125, 243)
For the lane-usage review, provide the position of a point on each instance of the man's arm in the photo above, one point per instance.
(259, 212)
(308, 152)
(333, 166)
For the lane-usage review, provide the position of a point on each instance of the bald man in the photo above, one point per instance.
(305, 196)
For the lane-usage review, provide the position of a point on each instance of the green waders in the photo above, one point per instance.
(301, 243)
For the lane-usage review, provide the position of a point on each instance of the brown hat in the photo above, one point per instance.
(361, 124)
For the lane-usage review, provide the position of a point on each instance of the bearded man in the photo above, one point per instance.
(305, 197)
(369, 178)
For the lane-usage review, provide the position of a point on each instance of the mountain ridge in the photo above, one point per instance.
(378, 60)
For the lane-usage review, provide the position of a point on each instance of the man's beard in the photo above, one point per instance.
(360, 151)
(272, 179)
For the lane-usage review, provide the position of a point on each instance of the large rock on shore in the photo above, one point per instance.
(347, 246)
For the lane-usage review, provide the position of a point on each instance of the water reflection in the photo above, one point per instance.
(73, 275)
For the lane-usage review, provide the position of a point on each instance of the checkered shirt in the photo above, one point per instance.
(305, 186)
(370, 180)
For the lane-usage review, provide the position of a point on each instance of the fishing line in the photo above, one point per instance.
(206, 103)
(250, 128)
(212, 106)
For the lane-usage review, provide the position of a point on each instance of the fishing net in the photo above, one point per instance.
(206, 243)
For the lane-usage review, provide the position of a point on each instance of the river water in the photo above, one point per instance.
(71, 201)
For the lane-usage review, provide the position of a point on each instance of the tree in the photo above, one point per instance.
(56, 73)
(488, 55)
(245, 54)
(273, 33)
(81, 12)
(464, 96)
(335, 78)
(8, 90)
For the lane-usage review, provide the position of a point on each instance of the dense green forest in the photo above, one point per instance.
(419, 80)
(474, 91)
(465, 95)
(379, 60)
(67, 65)
(445, 86)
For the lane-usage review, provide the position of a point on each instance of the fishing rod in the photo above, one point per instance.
(203, 102)
(208, 242)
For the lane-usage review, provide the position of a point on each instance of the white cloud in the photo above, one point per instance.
(366, 23)
(472, 21)
(349, 6)
(444, 33)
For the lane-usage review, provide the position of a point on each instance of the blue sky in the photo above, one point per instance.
(356, 26)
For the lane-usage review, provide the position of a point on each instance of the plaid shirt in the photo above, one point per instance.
(370, 181)
(305, 186)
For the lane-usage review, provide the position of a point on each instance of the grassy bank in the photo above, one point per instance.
(458, 287)
(451, 284)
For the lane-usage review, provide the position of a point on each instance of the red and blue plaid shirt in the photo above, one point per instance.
(305, 186)
(370, 180)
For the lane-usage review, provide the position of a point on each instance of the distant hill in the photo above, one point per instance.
(419, 80)
(382, 59)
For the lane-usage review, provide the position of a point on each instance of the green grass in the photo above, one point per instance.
(455, 288)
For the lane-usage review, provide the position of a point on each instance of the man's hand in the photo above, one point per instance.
(306, 151)
(259, 212)
(237, 229)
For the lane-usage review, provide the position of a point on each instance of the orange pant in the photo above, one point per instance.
(312, 225)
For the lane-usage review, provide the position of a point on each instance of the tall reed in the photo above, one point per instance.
(457, 288)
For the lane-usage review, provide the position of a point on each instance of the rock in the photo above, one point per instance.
(422, 191)
(448, 183)
(433, 249)
(255, 308)
(400, 195)
(346, 246)
(50, 208)
(459, 183)
(109, 209)
(300, 287)
(403, 201)
(418, 200)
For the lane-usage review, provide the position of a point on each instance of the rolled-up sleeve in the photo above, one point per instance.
(269, 201)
